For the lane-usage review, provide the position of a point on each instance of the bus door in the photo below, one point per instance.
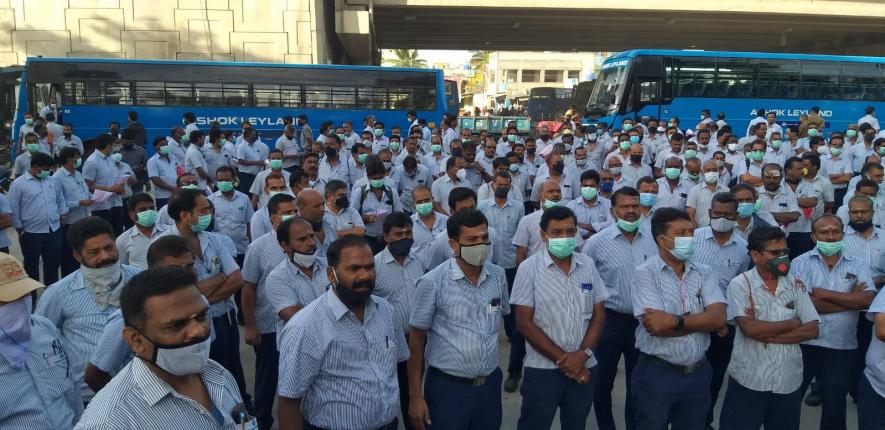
(9, 81)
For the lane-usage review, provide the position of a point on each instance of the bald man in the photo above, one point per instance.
(701, 195)
(528, 233)
(311, 207)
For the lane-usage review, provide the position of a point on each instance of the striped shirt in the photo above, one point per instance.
(875, 359)
(656, 286)
(701, 199)
(255, 151)
(806, 189)
(70, 305)
(345, 219)
(73, 188)
(505, 219)
(286, 285)
(616, 259)
(260, 224)
(422, 235)
(869, 251)
(100, 169)
(42, 395)
(597, 215)
(729, 260)
(111, 351)
(37, 204)
(343, 369)
(371, 204)
(132, 245)
(216, 259)
(263, 255)
(461, 319)
(528, 234)
(396, 283)
(762, 366)
(232, 216)
(674, 198)
(137, 399)
(562, 302)
(165, 169)
(837, 330)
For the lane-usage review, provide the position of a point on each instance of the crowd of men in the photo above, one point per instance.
(372, 270)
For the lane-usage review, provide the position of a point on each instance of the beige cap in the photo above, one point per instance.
(14, 281)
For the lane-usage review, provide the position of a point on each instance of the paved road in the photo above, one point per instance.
(810, 416)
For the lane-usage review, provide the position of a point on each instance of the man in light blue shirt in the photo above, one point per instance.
(720, 248)
(457, 309)
(617, 251)
(251, 155)
(558, 297)
(233, 211)
(678, 303)
(163, 171)
(262, 256)
(338, 355)
(218, 275)
(840, 285)
(374, 201)
(35, 370)
(77, 197)
(80, 304)
(100, 173)
(871, 389)
(38, 206)
(172, 383)
(593, 211)
(427, 222)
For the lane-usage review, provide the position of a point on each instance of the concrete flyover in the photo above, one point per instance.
(814, 26)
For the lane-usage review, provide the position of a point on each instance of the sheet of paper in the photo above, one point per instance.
(99, 196)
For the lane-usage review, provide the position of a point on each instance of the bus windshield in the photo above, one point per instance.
(608, 90)
(542, 93)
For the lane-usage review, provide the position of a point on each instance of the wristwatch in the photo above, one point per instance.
(680, 322)
(589, 352)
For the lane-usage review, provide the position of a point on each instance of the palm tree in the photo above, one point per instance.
(406, 58)
(479, 60)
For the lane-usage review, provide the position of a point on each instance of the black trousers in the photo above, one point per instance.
(267, 361)
(114, 216)
(45, 246)
(226, 351)
(68, 263)
(246, 180)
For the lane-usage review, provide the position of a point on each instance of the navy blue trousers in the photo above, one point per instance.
(834, 369)
(455, 405)
(267, 361)
(47, 246)
(746, 409)
(870, 407)
(546, 390)
(225, 350)
(662, 396)
(618, 337)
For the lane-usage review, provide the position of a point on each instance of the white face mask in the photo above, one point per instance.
(185, 359)
(732, 147)
(462, 174)
(104, 282)
(304, 260)
(721, 225)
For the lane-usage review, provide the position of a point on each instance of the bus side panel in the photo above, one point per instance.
(158, 121)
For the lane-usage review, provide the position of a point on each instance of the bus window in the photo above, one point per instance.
(778, 79)
(400, 98)
(736, 78)
(820, 80)
(148, 93)
(859, 81)
(648, 91)
(343, 97)
(317, 97)
(117, 93)
(266, 95)
(371, 98)
(609, 88)
(290, 96)
(236, 95)
(425, 99)
(693, 76)
(179, 94)
(208, 94)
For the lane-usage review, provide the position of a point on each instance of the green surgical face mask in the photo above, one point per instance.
(44, 174)
(202, 223)
(147, 218)
(424, 209)
(829, 248)
(377, 183)
(191, 187)
(33, 148)
(78, 163)
(690, 153)
(164, 150)
(276, 164)
(629, 226)
(561, 247)
(394, 146)
(436, 148)
(756, 155)
(672, 172)
(225, 186)
(362, 157)
(549, 204)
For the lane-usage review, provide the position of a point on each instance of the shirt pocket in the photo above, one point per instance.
(51, 372)
(490, 317)
(586, 300)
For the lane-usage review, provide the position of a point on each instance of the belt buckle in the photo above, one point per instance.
(479, 381)
(690, 369)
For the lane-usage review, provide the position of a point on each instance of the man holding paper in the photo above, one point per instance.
(373, 202)
(101, 174)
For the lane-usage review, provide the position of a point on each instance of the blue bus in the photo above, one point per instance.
(94, 92)
(668, 83)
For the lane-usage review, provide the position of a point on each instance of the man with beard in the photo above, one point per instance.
(80, 303)
(457, 310)
(338, 357)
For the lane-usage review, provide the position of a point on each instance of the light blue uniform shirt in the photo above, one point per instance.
(287, 286)
(346, 219)
(461, 319)
(216, 259)
(70, 305)
(255, 151)
(729, 260)
(837, 330)
(875, 359)
(42, 395)
(504, 220)
(343, 369)
(616, 259)
(562, 302)
(74, 189)
(656, 286)
(165, 168)
(423, 236)
(137, 399)
(389, 202)
(4, 209)
(232, 217)
(870, 251)
(598, 215)
(396, 283)
(100, 169)
(263, 255)
(37, 204)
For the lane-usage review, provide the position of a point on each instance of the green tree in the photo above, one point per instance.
(479, 60)
(406, 58)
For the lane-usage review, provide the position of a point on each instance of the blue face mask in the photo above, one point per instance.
(746, 210)
(606, 186)
(683, 247)
(648, 199)
(634, 139)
